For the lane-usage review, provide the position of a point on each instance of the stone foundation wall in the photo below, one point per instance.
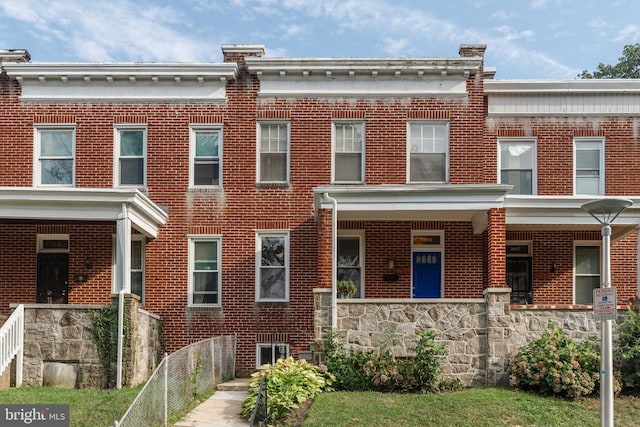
(480, 334)
(147, 345)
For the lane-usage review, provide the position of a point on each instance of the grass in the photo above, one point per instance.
(87, 408)
(490, 407)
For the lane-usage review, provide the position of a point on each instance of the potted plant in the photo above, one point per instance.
(346, 288)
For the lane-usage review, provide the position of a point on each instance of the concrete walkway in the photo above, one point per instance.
(221, 409)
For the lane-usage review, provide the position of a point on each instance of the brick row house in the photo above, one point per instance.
(225, 194)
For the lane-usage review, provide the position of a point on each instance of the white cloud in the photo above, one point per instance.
(503, 15)
(630, 33)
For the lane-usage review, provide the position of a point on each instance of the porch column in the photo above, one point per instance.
(497, 249)
(123, 252)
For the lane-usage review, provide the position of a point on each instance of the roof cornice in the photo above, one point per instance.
(561, 86)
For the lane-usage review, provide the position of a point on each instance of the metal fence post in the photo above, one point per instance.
(166, 389)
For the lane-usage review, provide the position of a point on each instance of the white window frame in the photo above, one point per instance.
(37, 157)
(134, 238)
(360, 234)
(192, 241)
(116, 155)
(259, 150)
(447, 125)
(595, 142)
(335, 151)
(273, 347)
(585, 243)
(272, 233)
(534, 163)
(41, 238)
(193, 131)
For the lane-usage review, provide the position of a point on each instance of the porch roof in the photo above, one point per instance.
(82, 204)
(565, 213)
(431, 202)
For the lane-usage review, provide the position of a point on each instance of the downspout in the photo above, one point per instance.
(334, 245)
(120, 337)
(123, 259)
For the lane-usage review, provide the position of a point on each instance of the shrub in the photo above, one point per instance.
(289, 384)
(380, 371)
(627, 350)
(556, 365)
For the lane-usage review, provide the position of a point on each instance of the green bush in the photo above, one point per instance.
(381, 371)
(554, 364)
(627, 351)
(289, 383)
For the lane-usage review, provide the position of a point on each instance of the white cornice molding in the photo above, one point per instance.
(596, 86)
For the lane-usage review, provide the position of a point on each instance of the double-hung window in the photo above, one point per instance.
(273, 152)
(518, 165)
(204, 274)
(348, 143)
(206, 155)
(587, 272)
(428, 151)
(130, 153)
(272, 266)
(589, 166)
(55, 156)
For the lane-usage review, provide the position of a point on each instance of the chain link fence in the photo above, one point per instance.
(179, 378)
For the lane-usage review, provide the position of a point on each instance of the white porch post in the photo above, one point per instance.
(334, 262)
(123, 279)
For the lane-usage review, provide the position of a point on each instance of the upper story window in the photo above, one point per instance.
(587, 271)
(206, 155)
(348, 144)
(272, 266)
(589, 166)
(204, 270)
(273, 152)
(55, 156)
(428, 151)
(518, 165)
(131, 154)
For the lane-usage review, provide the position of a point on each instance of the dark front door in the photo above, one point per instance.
(53, 272)
(427, 274)
(519, 280)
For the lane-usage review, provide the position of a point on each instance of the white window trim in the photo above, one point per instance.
(408, 149)
(272, 233)
(258, 152)
(37, 178)
(590, 243)
(430, 248)
(193, 130)
(334, 152)
(360, 234)
(40, 239)
(134, 237)
(272, 346)
(204, 238)
(116, 154)
(534, 166)
(601, 183)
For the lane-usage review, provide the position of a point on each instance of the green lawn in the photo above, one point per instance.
(478, 407)
(87, 408)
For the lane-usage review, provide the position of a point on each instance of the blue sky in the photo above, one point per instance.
(533, 39)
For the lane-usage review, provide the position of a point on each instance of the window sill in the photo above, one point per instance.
(212, 189)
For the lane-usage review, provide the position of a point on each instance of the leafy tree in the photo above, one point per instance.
(628, 66)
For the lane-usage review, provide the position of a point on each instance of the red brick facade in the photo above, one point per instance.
(472, 250)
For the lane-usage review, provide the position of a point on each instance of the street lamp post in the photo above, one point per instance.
(605, 211)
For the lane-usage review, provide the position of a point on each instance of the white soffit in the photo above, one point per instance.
(343, 77)
(122, 82)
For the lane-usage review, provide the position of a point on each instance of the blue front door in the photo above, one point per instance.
(427, 273)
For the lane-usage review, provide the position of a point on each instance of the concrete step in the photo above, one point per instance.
(237, 384)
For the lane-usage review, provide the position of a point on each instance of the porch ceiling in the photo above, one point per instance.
(82, 204)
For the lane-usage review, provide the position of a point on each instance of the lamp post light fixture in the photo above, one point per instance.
(605, 211)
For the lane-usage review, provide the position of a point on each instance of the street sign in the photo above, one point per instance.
(605, 303)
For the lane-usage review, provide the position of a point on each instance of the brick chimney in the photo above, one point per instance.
(14, 55)
(472, 50)
(237, 52)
